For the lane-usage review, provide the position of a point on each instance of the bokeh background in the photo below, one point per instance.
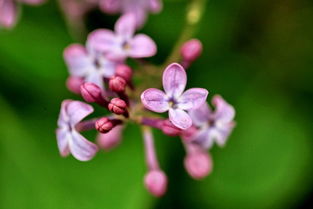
(257, 54)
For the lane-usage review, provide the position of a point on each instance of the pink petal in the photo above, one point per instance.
(154, 100)
(125, 26)
(81, 148)
(77, 60)
(155, 5)
(77, 110)
(62, 139)
(224, 111)
(140, 16)
(192, 98)
(200, 115)
(101, 40)
(8, 13)
(180, 118)
(96, 78)
(110, 6)
(142, 46)
(33, 2)
(63, 116)
(110, 139)
(221, 133)
(204, 138)
(174, 80)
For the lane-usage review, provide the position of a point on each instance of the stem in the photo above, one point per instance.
(151, 159)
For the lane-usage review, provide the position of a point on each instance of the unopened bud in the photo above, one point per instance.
(118, 106)
(156, 182)
(124, 71)
(73, 83)
(111, 139)
(198, 164)
(169, 129)
(91, 92)
(191, 50)
(104, 125)
(117, 84)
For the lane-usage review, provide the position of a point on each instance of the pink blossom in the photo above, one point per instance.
(139, 8)
(123, 43)
(68, 138)
(86, 63)
(174, 99)
(214, 126)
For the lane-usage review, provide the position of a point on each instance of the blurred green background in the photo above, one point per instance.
(257, 54)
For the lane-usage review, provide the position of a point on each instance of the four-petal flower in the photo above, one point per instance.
(87, 63)
(174, 99)
(213, 126)
(122, 43)
(69, 139)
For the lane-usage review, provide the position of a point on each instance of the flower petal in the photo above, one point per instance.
(221, 132)
(155, 5)
(96, 78)
(63, 116)
(126, 26)
(33, 2)
(154, 100)
(110, 6)
(8, 13)
(81, 148)
(192, 98)
(142, 46)
(204, 138)
(63, 137)
(77, 110)
(77, 60)
(101, 40)
(200, 115)
(111, 139)
(174, 80)
(224, 111)
(180, 118)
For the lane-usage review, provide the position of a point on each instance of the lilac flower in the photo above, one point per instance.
(69, 139)
(139, 8)
(86, 63)
(9, 11)
(174, 99)
(213, 126)
(122, 43)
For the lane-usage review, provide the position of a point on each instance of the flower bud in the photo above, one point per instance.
(117, 84)
(156, 182)
(169, 129)
(118, 106)
(104, 125)
(198, 164)
(111, 139)
(73, 83)
(91, 92)
(124, 71)
(189, 134)
(191, 50)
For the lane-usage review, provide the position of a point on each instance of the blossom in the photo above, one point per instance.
(68, 138)
(213, 126)
(9, 11)
(139, 8)
(174, 99)
(123, 43)
(86, 63)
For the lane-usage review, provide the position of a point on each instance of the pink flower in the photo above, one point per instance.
(9, 11)
(122, 43)
(213, 126)
(174, 99)
(68, 138)
(139, 8)
(86, 63)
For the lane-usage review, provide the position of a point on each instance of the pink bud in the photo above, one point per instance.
(73, 84)
(198, 164)
(169, 129)
(124, 71)
(118, 106)
(156, 182)
(117, 84)
(91, 92)
(111, 139)
(191, 50)
(104, 125)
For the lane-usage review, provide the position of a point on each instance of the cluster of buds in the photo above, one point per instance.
(99, 72)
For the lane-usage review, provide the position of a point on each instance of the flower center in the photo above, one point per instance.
(172, 103)
(126, 46)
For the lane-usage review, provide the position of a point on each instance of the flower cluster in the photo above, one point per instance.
(101, 74)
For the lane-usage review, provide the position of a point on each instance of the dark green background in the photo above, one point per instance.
(257, 54)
